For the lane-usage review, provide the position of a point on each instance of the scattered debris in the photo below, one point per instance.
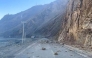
(71, 55)
(63, 44)
(37, 56)
(56, 53)
(82, 47)
(65, 51)
(89, 45)
(47, 41)
(43, 48)
(91, 48)
(70, 50)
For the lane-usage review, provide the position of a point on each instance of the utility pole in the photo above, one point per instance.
(23, 34)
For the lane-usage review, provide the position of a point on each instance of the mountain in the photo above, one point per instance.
(9, 22)
(36, 18)
(51, 28)
(77, 25)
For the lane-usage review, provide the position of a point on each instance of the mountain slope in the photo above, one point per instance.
(34, 19)
(9, 22)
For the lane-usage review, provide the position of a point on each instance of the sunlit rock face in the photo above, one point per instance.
(77, 25)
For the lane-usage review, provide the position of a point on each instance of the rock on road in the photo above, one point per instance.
(53, 50)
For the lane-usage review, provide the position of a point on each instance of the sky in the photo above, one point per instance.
(15, 6)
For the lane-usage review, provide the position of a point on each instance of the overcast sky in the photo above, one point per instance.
(15, 6)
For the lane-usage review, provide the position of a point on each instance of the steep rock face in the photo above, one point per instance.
(77, 25)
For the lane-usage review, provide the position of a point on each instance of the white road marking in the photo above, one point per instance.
(26, 49)
(52, 52)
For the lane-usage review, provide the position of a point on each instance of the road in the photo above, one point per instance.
(53, 50)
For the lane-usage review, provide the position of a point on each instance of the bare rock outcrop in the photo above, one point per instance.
(77, 25)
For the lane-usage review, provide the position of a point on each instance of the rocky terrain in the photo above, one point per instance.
(77, 25)
(71, 25)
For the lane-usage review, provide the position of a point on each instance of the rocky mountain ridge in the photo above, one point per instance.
(35, 19)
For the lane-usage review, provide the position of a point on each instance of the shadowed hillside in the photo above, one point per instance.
(35, 18)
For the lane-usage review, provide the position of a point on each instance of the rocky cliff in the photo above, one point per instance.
(77, 25)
